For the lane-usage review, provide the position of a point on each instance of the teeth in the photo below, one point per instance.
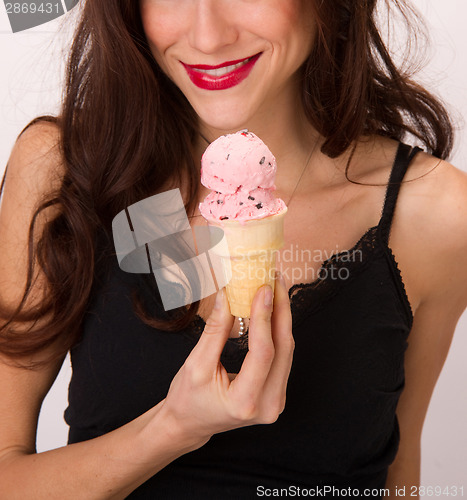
(223, 71)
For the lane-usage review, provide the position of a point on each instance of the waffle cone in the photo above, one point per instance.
(251, 258)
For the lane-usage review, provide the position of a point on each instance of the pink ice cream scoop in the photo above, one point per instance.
(240, 170)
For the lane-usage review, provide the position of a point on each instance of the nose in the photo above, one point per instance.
(211, 28)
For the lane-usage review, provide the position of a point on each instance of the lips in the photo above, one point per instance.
(223, 76)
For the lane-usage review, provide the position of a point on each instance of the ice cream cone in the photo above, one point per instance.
(250, 261)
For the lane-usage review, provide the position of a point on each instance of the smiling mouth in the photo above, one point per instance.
(222, 69)
(221, 76)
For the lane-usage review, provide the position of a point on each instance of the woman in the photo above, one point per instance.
(154, 393)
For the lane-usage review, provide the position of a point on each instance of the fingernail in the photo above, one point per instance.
(219, 299)
(281, 279)
(267, 296)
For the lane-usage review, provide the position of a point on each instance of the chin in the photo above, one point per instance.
(224, 126)
(225, 118)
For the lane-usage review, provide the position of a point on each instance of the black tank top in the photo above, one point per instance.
(339, 428)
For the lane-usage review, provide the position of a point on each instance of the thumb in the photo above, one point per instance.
(216, 332)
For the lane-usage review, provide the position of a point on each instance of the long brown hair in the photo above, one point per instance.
(127, 132)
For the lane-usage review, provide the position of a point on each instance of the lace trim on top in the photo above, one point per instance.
(398, 275)
(341, 268)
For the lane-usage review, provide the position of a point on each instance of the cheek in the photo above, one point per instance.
(291, 22)
(160, 25)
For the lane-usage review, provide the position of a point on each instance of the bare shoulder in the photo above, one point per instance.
(36, 159)
(432, 220)
(34, 172)
(437, 196)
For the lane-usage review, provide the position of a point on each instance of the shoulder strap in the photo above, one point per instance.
(404, 157)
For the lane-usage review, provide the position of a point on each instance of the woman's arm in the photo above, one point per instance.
(429, 342)
(432, 221)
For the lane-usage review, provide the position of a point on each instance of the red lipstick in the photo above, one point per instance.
(216, 77)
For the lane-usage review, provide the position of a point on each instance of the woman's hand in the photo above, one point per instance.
(202, 400)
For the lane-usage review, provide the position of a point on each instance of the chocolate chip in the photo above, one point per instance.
(251, 198)
(259, 205)
(223, 218)
(228, 156)
(241, 203)
(220, 202)
(263, 159)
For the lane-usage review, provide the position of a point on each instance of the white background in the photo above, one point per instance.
(31, 64)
